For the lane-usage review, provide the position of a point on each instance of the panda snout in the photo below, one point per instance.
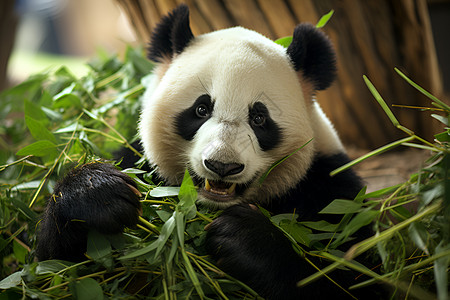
(222, 169)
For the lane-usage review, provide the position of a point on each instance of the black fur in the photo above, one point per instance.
(318, 188)
(311, 53)
(171, 35)
(247, 246)
(242, 240)
(269, 133)
(93, 196)
(188, 122)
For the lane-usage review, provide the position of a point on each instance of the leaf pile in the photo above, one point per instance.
(54, 121)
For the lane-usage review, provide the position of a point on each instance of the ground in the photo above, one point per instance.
(390, 168)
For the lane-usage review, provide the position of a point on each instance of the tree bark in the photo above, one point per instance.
(371, 38)
(8, 24)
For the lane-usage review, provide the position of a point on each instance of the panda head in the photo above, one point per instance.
(229, 104)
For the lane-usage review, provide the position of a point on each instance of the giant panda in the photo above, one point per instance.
(225, 106)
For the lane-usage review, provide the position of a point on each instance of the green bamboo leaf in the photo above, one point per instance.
(87, 289)
(381, 192)
(91, 114)
(51, 266)
(165, 191)
(166, 232)
(34, 111)
(20, 253)
(192, 275)
(264, 176)
(281, 217)
(299, 232)
(321, 225)
(98, 246)
(360, 220)
(142, 251)
(443, 136)
(381, 102)
(27, 185)
(441, 271)
(71, 128)
(324, 19)
(68, 101)
(187, 196)
(38, 130)
(440, 103)
(284, 41)
(24, 209)
(340, 206)
(67, 91)
(173, 250)
(372, 153)
(140, 63)
(180, 224)
(39, 148)
(11, 281)
(419, 235)
(441, 119)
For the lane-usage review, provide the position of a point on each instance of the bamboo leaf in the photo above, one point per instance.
(142, 251)
(166, 232)
(381, 102)
(441, 271)
(165, 191)
(87, 289)
(187, 196)
(372, 153)
(264, 176)
(38, 130)
(440, 103)
(321, 225)
(419, 235)
(98, 245)
(284, 41)
(442, 119)
(340, 206)
(12, 280)
(39, 148)
(324, 19)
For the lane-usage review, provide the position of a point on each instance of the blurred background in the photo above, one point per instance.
(371, 38)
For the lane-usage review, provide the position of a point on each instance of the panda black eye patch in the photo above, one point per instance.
(266, 130)
(191, 119)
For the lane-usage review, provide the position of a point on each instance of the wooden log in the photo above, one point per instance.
(8, 24)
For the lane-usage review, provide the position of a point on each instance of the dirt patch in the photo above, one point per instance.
(389, 168)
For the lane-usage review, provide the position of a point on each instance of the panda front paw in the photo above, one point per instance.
(246, 245)
(93, 196)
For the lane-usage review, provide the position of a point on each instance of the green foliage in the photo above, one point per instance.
(287, 40)
(54, 120)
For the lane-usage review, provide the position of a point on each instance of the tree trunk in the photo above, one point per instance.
(8, 24)
(371, 38)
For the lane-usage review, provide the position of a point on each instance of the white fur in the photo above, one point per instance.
(236, 67)
(327, 139)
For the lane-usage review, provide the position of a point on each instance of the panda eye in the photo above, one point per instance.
(202, 111)
(259, 120)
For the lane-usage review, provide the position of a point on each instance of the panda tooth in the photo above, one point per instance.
(207, 186)
(231, 189)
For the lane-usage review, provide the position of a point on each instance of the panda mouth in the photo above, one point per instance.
(220, 188)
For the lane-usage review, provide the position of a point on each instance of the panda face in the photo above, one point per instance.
(227, 108)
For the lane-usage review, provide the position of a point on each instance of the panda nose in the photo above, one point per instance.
(222, 169)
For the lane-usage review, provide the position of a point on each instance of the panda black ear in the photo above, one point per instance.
(312, 53)
(171, 35)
